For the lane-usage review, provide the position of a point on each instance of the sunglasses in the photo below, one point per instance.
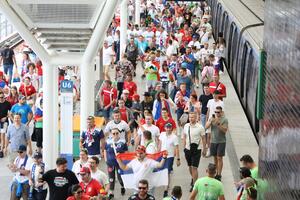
(217, 112)
(79, 192)
(20, 151)
(142, 188)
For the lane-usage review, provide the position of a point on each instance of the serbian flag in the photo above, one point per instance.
(155, 176)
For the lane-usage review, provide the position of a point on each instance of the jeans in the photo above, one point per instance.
(8, 69)
(39, 195)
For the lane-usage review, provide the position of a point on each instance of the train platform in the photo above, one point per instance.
(240, 140)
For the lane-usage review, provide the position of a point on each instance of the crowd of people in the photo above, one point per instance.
(183, 101)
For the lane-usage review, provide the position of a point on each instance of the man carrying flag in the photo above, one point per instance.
(138, 166)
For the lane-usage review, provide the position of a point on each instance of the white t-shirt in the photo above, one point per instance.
(122, 126)
(142, 170)
(37, 174)
(148, 35)
(196, 44)
(18, 162)
(101, 177)
(108, 54)
(153, 129)
(204, 53)
(171, 50)
(130, 10)
(78, 164)
(196, 132)
(151, 148)
(168, 142)
(212, 104)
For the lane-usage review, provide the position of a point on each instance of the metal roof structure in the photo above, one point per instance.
(60, 25)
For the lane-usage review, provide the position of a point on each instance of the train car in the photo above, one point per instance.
(241, 24)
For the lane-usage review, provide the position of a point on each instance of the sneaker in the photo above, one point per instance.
(165, 193)
(123, 191)
(111, 196)
(218, 177)
(207, 153)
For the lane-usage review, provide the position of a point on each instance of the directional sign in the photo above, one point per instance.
(66, 86)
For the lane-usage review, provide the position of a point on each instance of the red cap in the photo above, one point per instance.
(141, 149)
(136, 96)
(1, 73)
(85, 170)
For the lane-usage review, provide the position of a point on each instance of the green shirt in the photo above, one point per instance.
(254, 172)
(151, 73)
(208, 188)
(217, 136)
(39, 124)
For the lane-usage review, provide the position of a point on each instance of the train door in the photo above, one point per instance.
(224, 24)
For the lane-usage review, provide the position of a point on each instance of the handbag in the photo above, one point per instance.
(184, 118)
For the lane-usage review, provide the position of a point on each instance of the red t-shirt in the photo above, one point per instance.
(39, 69)
(108, 95)
(221, 88)
(92, 188)
(27, 90)
(12, 100)
(160, 123)
(123, 114)
(131, 87)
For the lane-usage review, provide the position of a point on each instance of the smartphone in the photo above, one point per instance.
(213, 115)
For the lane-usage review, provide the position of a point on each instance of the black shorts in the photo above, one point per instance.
(39, 137)
(217, 149)
(192, 158)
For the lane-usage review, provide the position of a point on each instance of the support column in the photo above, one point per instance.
(55, 111)
(86, 67)
(137, 11)
(48, 114)
(123, 26)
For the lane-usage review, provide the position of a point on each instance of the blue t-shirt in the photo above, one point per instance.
(92, 143)
(24, 110)
(121, 147)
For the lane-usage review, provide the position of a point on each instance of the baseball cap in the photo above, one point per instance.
(245, 172)
(22, 148)
(84, 170)
(147, 94)
(21, 97)
(37, 155)
(169, 125)
(141, 149)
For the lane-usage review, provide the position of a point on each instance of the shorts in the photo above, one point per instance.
(3, 127)
(217, 149)
(169, 164)
(106, 69)
(39, 137)
(192, 158)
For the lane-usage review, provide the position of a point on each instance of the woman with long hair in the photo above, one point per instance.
(162, 101)
(13, 97)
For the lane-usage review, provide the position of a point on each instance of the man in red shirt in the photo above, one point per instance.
(27, 89)
(164, 119)
(90, 186)
(217, 85)
(130, 86)
(108, 97)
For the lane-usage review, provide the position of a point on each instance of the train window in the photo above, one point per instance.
(224, 20)
(230, 38)
(234, 45)
(244, 66)
(218, 19)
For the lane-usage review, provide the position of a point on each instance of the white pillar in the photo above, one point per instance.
(87, 64)
(55, 110)
(123, 26)
(137, 11)
(48, 114)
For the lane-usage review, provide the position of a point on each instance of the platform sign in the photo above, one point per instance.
(66, 121)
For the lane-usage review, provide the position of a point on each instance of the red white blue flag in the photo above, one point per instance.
(155, 176)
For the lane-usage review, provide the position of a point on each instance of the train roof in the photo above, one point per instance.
(244, 17)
